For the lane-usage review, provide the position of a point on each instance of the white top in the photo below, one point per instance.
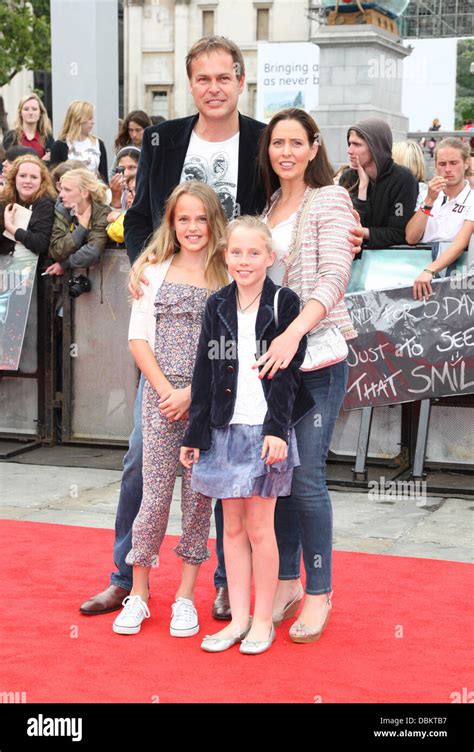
(470, 249)
(217, 164)
(250, 404)
(422, 193)
(447, 218)
(142, 319)
(86, 151)
(281, 237)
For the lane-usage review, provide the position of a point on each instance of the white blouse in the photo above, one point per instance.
(281, 236)
(250, 403)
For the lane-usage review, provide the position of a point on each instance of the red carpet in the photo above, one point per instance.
(399, 632)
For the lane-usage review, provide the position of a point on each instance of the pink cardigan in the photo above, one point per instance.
(320, 268)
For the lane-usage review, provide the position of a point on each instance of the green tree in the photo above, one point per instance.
(464, 82)
(25, 37)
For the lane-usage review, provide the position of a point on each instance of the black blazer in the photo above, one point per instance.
(59, 153)
(214, 385)
(161, 163)
(38, 233)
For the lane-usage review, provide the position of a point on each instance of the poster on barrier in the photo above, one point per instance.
(17, 278)
(408, 349)
(399, 265)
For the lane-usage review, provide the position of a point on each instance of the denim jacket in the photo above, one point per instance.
(214, 385)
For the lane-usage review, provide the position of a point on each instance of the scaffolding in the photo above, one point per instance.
(438, 18)
(421, 19)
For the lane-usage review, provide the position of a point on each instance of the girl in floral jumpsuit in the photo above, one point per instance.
(183, 265)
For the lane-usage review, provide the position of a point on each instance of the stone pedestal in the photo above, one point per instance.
(361, 75)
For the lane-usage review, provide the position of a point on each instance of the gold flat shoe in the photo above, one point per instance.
(302, 633)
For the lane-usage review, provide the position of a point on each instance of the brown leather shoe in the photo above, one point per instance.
(221, 607)
(108, 600)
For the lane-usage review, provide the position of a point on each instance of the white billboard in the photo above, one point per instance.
(429, 83)
(287, 76)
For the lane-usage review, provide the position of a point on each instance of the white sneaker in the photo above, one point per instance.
(129, 620)
(184, 618)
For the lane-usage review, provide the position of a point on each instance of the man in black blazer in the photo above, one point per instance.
(162, 159)
(217, 145)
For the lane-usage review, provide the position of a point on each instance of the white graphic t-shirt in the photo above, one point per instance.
(86, 151)
(217, 164)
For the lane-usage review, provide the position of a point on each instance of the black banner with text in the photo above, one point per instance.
(409, 349)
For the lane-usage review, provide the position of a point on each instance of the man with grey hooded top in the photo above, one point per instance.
(383, 192)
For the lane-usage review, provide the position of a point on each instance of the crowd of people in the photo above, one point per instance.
(241, 239)
(76, 206)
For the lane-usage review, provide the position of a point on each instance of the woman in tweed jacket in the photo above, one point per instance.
(311, 221)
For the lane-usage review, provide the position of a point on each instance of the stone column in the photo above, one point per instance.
(84, 57)
(133, 64)
(361, 75)
(183, 105)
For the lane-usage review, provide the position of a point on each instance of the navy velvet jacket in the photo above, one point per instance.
(214, 385)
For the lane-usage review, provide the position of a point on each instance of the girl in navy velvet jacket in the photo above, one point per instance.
(244, 427)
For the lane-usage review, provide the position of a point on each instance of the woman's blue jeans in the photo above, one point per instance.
(303, 521)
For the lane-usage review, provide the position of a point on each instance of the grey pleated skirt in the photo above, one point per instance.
(232, 467)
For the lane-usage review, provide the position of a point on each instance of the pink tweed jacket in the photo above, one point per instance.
(319, 269)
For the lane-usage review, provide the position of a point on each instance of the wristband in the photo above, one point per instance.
(430, 271)
(426, 209)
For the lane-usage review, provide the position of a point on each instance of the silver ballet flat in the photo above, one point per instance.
(252, 647)
(217, 644)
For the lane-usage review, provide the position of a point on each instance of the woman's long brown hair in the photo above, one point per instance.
(318, 172)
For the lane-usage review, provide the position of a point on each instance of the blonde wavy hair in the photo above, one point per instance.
(44, 124)
(85, 180)
(76, 115)
(164, 244)
(9, 195)
(410, 154)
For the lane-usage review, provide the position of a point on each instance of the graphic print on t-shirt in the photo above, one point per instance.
(85, 151)
(218, 169)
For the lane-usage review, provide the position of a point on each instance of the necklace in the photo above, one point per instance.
(247, 306)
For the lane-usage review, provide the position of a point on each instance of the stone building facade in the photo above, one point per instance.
(158, 33)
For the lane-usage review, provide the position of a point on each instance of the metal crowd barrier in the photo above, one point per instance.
(28, 395)
(89, 398)
(99, 374)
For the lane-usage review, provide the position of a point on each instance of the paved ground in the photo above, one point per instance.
(434, 527)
